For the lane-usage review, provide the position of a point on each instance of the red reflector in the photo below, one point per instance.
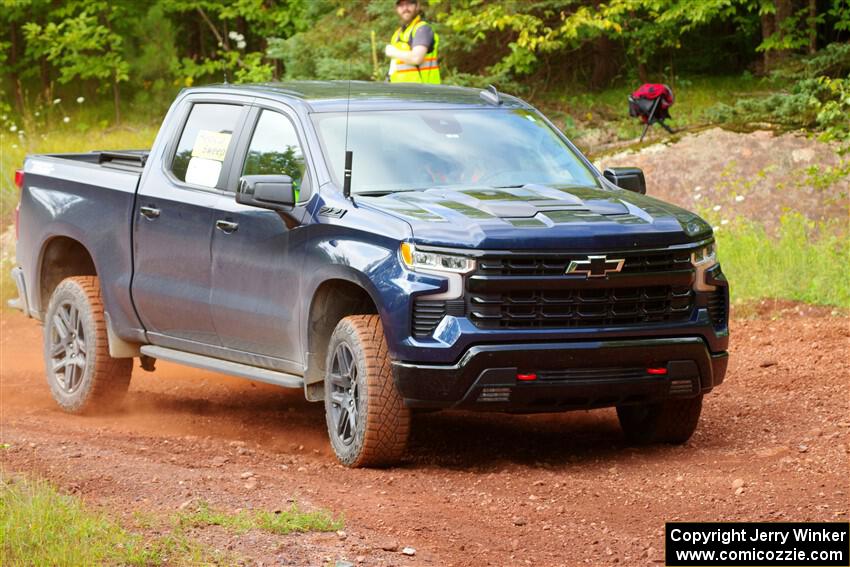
(656, 371)
(19, 178)
(526, 377)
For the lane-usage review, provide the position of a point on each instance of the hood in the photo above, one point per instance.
(538, 217)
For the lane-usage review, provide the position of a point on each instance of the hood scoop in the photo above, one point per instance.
(507, 209)
(520, 203)
(607, 207)
(565, 201)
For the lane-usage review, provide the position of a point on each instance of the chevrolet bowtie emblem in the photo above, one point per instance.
(595, 266)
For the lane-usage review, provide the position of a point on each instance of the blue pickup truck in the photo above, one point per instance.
(387, 248)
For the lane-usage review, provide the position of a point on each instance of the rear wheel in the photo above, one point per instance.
(81, 374)
(672, 421)
(368, 424)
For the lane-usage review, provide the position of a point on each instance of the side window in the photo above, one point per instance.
(204, 142)
(275, 150)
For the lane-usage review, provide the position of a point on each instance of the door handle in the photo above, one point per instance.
(226, 226)
(149, 213)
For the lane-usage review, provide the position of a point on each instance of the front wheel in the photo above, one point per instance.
(368, 423)
(672, 421)
(81, 374)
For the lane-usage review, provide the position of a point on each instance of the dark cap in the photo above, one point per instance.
(397, 2)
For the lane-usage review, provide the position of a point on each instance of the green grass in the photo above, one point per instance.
(805, 261)
(283, 522)
(41, 526)
(294, 520)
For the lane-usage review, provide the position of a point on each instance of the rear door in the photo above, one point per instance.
(256, 262)
(173, 224)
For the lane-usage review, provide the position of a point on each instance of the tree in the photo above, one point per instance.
(539, 29)
(336, 42)
(233, 40)
(80, 43)
(16, 56)
(790, 31)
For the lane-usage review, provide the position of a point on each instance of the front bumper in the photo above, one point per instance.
(570, 375)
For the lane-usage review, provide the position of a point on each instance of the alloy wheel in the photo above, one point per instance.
(345, 394)
(68, 351)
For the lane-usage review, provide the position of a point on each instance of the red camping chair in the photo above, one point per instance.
(651, 103)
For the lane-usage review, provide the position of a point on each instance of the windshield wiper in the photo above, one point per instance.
(382, 192)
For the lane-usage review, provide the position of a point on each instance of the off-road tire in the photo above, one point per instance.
(100, 382)
(382, 422)
(672, 421)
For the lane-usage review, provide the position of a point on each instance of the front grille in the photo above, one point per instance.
(519, 291)
(636, 263)
(580, 307)
(717, 309)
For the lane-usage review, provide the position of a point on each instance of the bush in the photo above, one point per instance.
(818, 98)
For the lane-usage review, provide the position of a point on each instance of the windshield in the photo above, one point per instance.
(422, 149)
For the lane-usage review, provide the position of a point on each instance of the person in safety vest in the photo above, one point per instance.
(413, 48)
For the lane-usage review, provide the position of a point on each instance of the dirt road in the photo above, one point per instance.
(476, 489)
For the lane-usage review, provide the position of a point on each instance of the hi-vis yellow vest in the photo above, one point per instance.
(401, 72)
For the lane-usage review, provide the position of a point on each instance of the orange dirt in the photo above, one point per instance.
(476, 489)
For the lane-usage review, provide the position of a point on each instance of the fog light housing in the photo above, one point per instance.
(494, 394)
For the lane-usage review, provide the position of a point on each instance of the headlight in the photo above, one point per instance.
(705, 256)
(417, 259)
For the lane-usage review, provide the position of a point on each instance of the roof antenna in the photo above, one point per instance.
(346, 180)
(225, 76)
(491, 96)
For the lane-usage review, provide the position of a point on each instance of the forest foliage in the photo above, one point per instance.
(143, 51)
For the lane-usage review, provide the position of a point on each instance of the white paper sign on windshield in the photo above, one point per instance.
(211, 145)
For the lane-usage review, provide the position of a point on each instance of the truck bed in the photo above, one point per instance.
(88, 198)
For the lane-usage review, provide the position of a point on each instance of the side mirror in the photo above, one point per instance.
(628, 178)
(273, 192)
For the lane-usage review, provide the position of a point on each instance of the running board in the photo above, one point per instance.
(224, 366)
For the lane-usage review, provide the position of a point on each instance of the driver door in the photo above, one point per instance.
(256, 262)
